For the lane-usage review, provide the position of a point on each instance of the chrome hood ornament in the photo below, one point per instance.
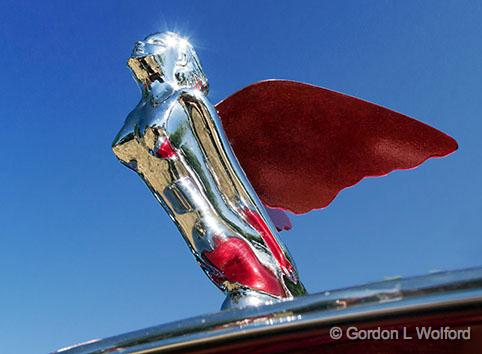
(299, 145)
(225, 174)
(175, 142)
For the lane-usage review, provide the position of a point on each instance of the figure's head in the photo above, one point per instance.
(167, 57)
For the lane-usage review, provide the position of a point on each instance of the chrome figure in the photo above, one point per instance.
(175, 142)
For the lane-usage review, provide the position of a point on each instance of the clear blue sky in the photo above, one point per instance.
(86, 252)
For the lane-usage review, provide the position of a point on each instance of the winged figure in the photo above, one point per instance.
(227, 173)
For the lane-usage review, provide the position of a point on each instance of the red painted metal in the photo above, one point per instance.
(300, 145)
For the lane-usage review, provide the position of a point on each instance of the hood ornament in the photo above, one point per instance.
(298, 145)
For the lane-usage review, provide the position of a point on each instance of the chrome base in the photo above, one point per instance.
(247, 298)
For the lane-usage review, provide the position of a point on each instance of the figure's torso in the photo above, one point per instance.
(179, 149)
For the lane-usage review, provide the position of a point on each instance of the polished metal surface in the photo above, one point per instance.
(435, 292)
(175, 142)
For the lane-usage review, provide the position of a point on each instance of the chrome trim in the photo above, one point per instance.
(433, 292)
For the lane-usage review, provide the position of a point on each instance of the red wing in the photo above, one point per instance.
(300, 145)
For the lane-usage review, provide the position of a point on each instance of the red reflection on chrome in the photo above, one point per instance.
(258, 223)
(238, 262)
(165, 151)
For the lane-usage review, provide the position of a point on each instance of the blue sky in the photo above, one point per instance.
(86, 252)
